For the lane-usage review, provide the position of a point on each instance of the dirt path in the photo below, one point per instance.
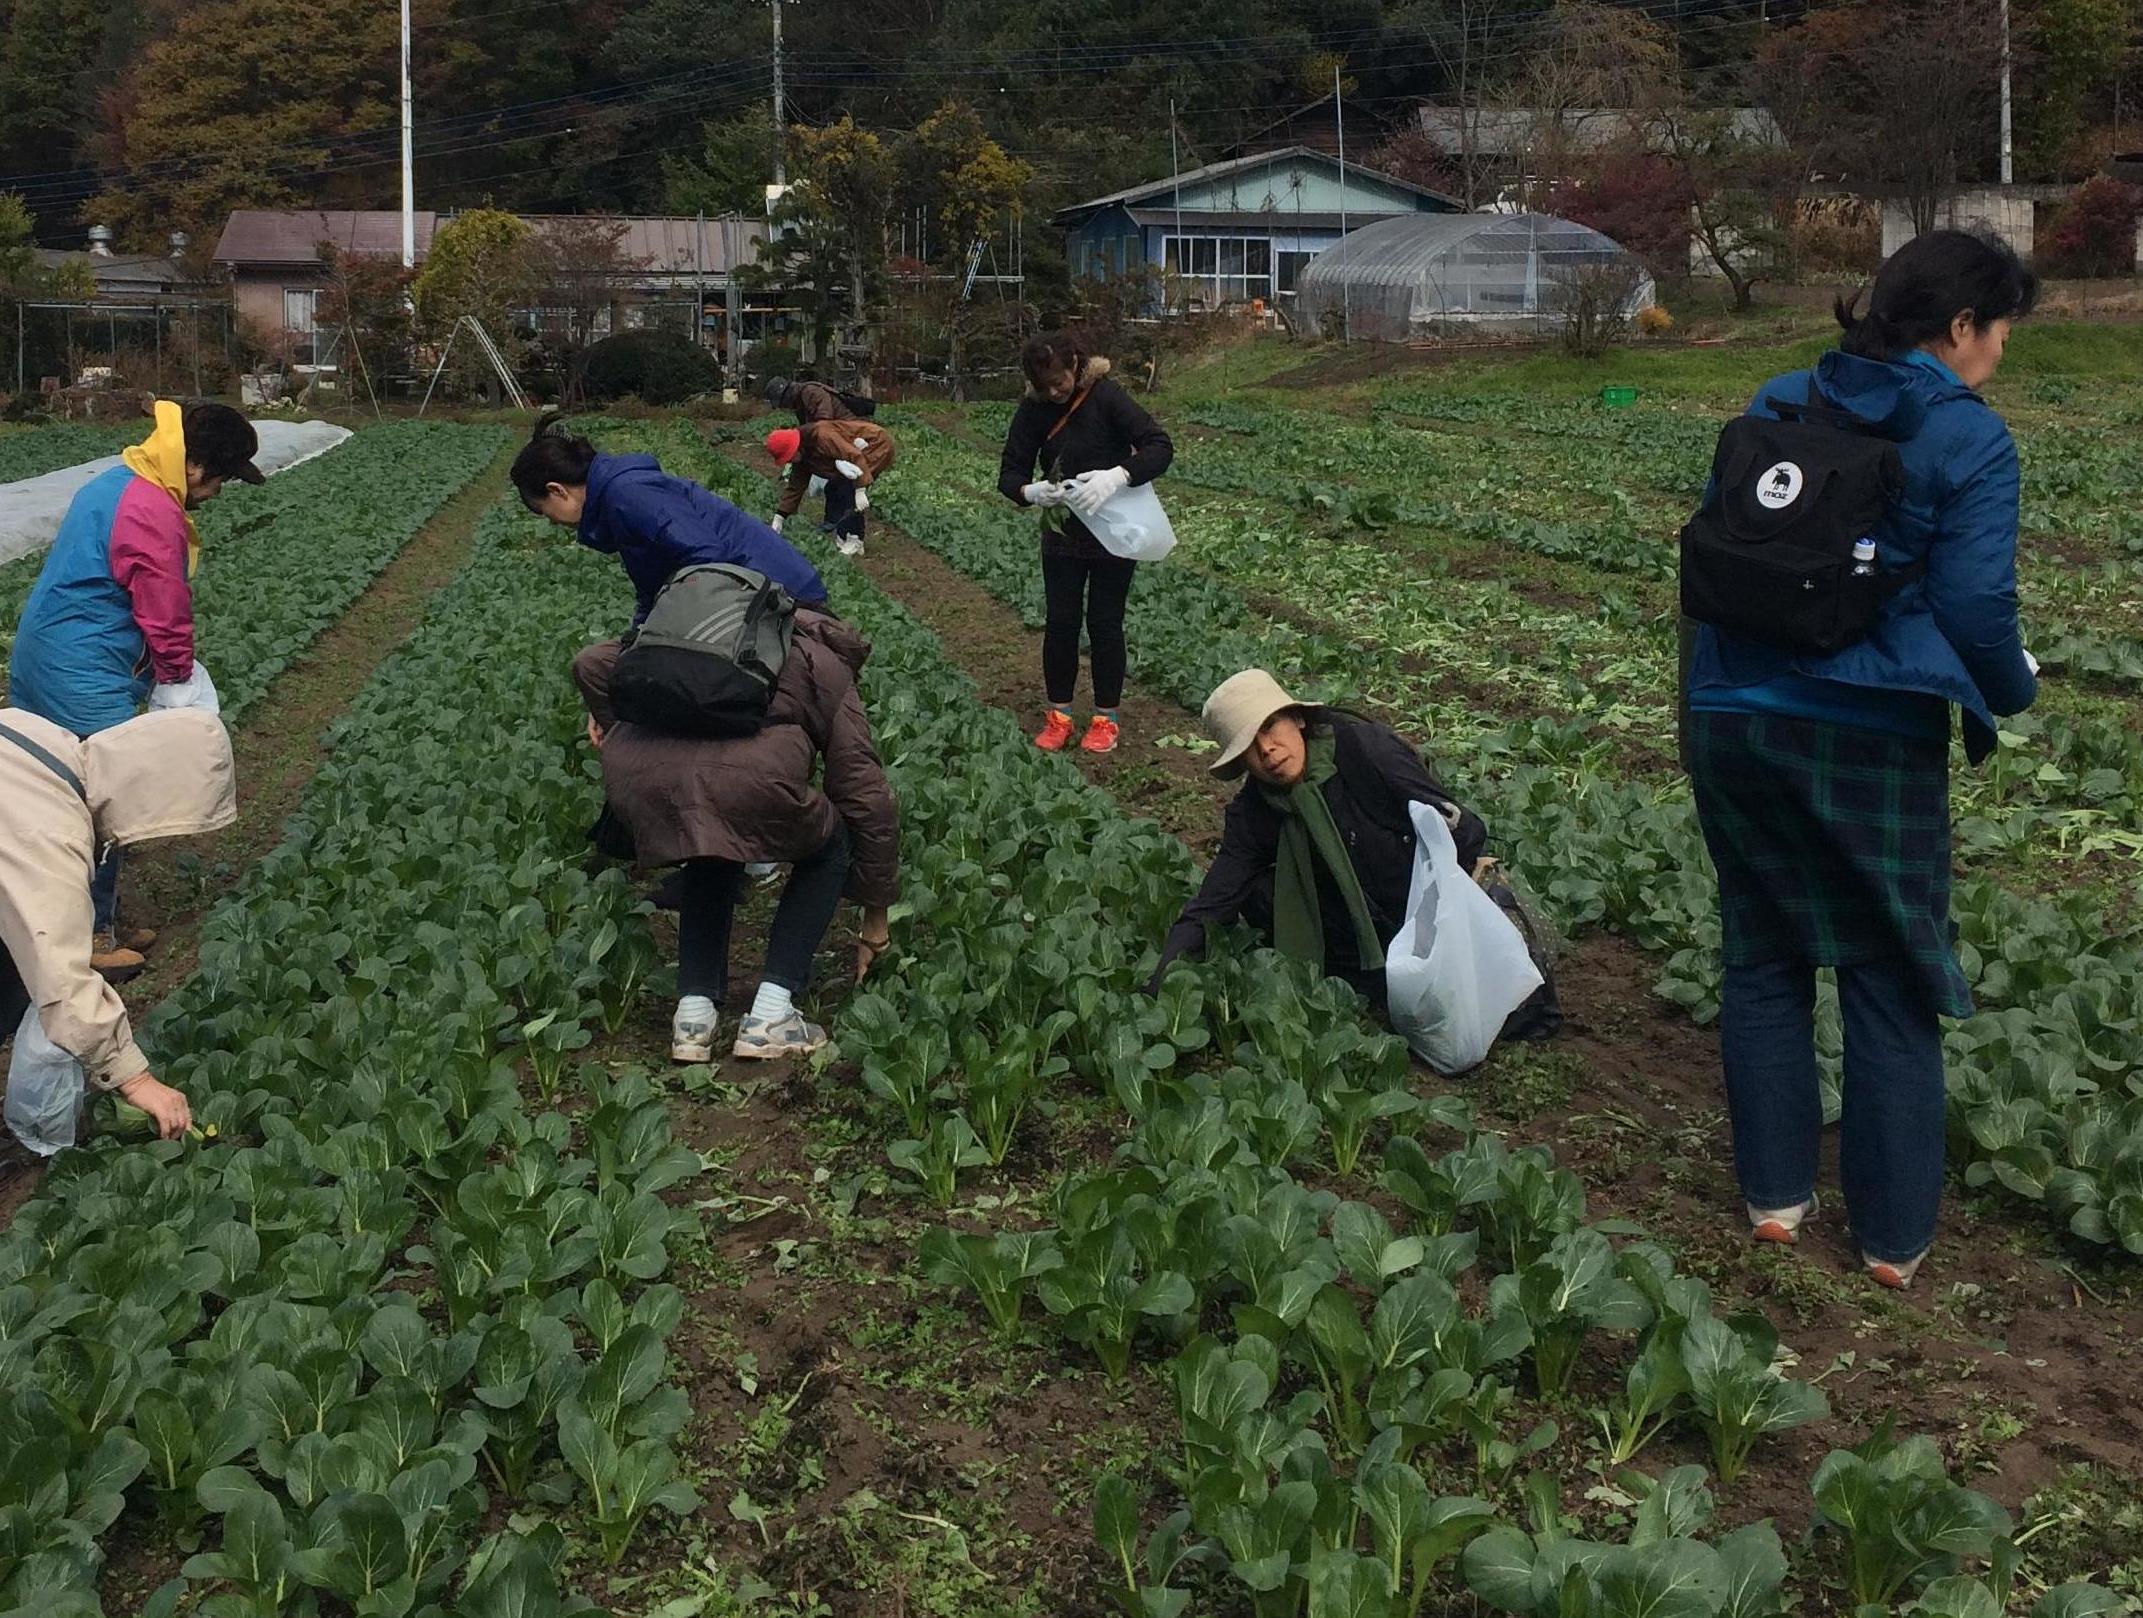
(171, 886)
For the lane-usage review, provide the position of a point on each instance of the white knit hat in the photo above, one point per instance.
(1235, 713)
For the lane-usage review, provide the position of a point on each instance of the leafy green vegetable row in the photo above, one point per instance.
(2040, 1081)
(1033, 914)
(390, 1293)
(34, 451)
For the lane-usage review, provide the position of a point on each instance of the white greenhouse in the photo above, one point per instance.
(1410, 276)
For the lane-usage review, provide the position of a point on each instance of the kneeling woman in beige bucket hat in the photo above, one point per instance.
(1317, 852)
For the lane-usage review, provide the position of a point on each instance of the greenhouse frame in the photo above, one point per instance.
(1408, 277)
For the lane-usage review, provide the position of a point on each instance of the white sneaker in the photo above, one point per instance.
(1779, 1225)
(760, 870)
(761, 1038)
(692, 1030)
(848, 544)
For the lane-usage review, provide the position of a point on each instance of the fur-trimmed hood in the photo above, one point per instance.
(1096, 367)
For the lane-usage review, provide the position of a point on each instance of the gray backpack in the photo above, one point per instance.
(706, 659)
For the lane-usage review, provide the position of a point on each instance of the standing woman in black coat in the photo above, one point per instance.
(1090, 440)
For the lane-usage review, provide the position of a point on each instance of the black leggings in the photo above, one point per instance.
(1098, 588)
(709, 908)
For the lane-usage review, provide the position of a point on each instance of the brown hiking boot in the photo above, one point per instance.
(116, 963)
(138, 938)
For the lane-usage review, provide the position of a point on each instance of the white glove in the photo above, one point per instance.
(849, 470)
(860, 443)
(197, 690)
(1090, 491)
(774, 522)
(863, 499)
(2031, 662)
(1043, 494)
(816, 487)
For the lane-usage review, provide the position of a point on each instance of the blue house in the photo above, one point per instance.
(1237, 230)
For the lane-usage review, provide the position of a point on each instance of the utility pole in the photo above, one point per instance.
(781, 125)
(1175, 169)
(409, 178)
(1346, 292)
(2008, 142)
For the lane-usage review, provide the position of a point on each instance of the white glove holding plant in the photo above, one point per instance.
(863, 499)
(849, 470)
(1043, 494)
(197, 690)
(1090, 491)
(774, 522)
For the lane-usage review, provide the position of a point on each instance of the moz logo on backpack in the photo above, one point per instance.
(1779, 487)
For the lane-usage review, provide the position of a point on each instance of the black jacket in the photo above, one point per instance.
(1110, 429)
(1378, 774)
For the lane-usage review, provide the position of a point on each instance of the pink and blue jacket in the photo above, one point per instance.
(112, 611)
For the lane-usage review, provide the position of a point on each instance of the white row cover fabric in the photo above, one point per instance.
(1403, 277)
(31, 510)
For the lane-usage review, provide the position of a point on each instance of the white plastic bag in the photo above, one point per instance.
(197, 690)
(1457, 967)
(1131, 524)
(44, 1090)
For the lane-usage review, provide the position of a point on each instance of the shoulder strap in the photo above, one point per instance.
(45, 757)
(1816, 409)
(1070, 411)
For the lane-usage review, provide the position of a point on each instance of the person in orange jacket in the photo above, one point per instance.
(850, 454)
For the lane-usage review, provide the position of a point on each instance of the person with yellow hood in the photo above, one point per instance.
(62, 797)
(109, 624)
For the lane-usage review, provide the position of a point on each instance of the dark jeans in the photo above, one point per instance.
(14, 996)
(104, 890)
(1076, 585)
(801, 918)
(1891, 1131)
(841, 513)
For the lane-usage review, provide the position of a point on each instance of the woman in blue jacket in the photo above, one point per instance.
(628, 507)
(1822, 783)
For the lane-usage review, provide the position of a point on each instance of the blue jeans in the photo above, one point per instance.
(104, 889)
(1891, 1131)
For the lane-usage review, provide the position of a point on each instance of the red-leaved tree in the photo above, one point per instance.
(2095, 232)
(1640, 199)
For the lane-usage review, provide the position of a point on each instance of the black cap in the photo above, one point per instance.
(222, 442)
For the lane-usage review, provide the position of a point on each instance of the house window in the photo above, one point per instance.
(1288, 264)
(1133, 259)
(301, 306)
(1220, 269)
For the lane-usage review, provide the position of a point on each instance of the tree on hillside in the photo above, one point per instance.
(20, 273)
(731, 172)
(2071, 55)
(480, 265)
(850, 174)
(1474, 44)
(248, 104)
(1593, 58)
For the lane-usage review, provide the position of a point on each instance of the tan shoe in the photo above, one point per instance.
(115, 962)
(138, 938)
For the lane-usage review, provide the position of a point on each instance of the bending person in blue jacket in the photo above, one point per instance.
(1822, 782)
(628, 507)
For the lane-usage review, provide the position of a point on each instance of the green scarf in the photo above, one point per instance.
(1307, 833)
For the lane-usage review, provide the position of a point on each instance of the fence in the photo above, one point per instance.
(168, 346)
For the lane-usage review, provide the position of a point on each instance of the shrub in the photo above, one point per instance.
(1652, 320)
(660, 367)
(2095, 232)
(1638, 200)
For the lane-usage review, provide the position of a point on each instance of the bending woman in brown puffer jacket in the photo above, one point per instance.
(716, 805)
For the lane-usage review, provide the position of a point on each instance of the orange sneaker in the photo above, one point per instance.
(1100, 735)
(1055, 733)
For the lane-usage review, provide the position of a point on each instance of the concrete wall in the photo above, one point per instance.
(2011, 212)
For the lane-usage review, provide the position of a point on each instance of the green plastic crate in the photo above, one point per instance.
(1617, 396)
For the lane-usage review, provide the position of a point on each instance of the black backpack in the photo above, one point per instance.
(1769, 555)
(705, 661)
(860, 406)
